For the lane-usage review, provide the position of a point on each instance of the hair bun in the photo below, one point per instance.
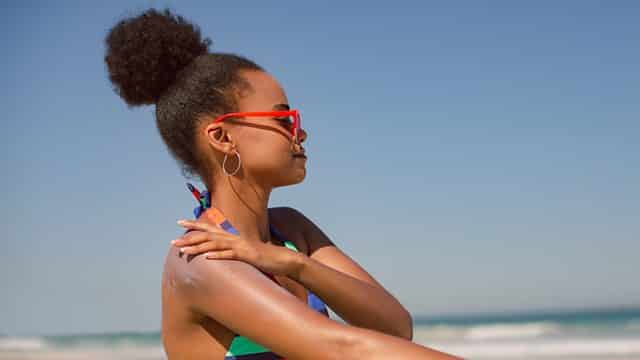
(145, 53)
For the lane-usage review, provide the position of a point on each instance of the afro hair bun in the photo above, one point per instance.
(145, 53)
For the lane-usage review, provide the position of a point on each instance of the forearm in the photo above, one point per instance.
(373, 345)
(357, 302)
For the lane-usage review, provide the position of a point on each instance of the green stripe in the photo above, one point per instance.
(244, 346)
(290, 245)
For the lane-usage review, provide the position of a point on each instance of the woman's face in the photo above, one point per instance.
(265, 144)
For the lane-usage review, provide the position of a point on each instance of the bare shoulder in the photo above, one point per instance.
(288, 222)
(202, 286)
(310, 236)
(187, 273)
(200, 281)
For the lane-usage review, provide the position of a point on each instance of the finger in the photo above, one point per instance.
(198, 225)
(196, 234)
(194, 237)
(224, 254)
(215, 244)
(207, 246)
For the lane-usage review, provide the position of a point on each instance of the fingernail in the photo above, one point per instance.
(173, 242)
(181, 222)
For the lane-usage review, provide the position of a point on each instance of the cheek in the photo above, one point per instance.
(266, 153)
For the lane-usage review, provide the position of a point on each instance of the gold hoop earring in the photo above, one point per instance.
(225, 160)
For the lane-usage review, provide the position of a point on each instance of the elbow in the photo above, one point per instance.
(408, 334)
(401, 327)
(406, 329)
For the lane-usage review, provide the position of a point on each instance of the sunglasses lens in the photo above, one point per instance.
(292, 122)
(292, 125)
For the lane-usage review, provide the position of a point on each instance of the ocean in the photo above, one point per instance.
(602, 334)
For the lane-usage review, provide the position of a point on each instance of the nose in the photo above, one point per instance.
(302, 135)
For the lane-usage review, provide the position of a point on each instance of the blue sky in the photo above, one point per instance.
(472, 156)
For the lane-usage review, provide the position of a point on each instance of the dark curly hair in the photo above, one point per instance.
(160, 58)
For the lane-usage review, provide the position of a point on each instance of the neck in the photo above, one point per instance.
(245, 205)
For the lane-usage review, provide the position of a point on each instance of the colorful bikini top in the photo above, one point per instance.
(243, 348)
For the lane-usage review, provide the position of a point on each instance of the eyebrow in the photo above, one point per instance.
(281, 107)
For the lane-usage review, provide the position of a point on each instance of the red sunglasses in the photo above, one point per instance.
(291, 117)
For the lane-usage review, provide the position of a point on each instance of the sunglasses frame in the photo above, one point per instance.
(295, 113)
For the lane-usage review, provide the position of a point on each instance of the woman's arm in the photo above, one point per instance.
(245, 301)
(346, 287)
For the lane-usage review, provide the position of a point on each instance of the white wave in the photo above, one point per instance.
(21, 343)
(486, 332)
(548, 348)
(510, 331)
(440, 332)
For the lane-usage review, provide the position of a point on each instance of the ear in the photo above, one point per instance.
(219, 138)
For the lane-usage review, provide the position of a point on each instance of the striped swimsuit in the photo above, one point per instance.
(243, 348)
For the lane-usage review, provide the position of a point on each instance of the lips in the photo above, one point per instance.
(299, 151)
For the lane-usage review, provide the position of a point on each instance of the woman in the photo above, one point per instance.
(245, 281)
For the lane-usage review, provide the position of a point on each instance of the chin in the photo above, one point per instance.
(302, 177)
(296, 178)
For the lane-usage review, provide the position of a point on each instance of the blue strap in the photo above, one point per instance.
(205, 198)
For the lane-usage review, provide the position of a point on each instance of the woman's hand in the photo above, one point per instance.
(219, 244)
